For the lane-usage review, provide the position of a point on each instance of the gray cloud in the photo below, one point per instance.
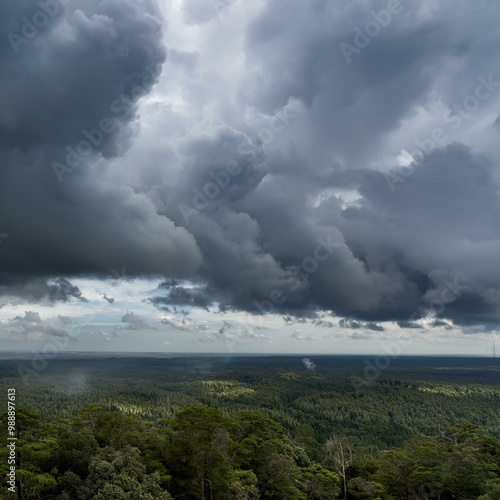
(38, 290)
(134, 322)
(261, 178)
(179, 295)
(85, 66)
(356, 325)
(32, 326)
(408, 324)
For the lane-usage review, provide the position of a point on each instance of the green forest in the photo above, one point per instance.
(251, 428)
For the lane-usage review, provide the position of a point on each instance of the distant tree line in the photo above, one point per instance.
(200, 453)
(382, 413)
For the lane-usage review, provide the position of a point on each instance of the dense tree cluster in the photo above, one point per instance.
(198, 454)
(201, 454)
(253, 428)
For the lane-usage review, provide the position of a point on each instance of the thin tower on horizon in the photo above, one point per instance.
(493, 350)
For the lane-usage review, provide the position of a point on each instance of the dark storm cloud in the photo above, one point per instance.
(62, 289)
(38, 290)
(179, 295)
(441, 225)
(396, 251)
(79, 79)
(254, 206)
(389, 256)
(350, 104)
(476, 308)
(353, 105)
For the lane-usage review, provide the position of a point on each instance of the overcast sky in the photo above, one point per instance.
(250, 176)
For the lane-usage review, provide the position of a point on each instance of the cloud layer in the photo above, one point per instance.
(257, 163)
